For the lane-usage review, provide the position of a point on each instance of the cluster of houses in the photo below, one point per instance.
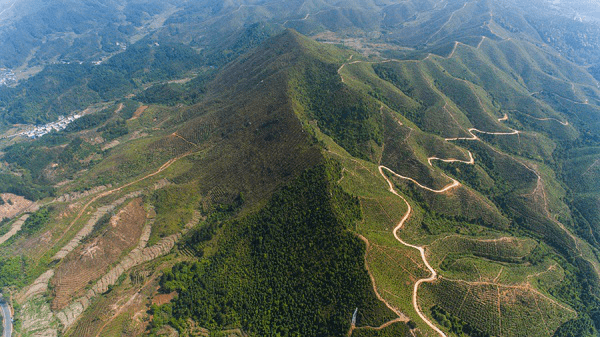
(59, 125)
(7, 77)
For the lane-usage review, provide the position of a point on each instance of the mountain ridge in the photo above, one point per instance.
(442, 189)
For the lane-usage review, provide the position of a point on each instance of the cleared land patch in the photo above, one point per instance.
(12, 204)
(89, 261)
(139, 111)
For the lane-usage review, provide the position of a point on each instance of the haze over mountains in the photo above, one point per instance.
(302, 168)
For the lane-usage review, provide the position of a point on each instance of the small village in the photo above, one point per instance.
(7, 77)
(59, 125)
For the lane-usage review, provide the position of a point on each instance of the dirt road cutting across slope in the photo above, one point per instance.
(421, 250)
(454, 183)
(106, 193)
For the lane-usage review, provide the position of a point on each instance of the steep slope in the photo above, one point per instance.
(483, 183)
(295, 262)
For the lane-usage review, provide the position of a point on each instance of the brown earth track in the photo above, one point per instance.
(139, 111)
(106, 193)
(434, 275)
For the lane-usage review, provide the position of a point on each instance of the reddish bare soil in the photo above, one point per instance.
(91, 260)
(124, 311)
(161, 299)
(13, 204)
(139, 111)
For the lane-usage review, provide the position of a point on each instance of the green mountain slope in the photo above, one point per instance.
(506, 194)
(296, 247)
(440, 179)
(472, 94)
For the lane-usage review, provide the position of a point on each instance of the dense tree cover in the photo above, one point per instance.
(148, 61)
(35, 221)
(578, 290)
(215, 216)
(109, 83)
(350, 118)
(455, 324)
(114, 129)
(129, 108)
(88, 121)
(23, 185)
(290, 269)
(37, 155)
(42, 32)
(32, 158)
(251, 37)
(61, 89)
(577, 40)
(384, 72)
(13, 271)
(166, 94)
(583, 326)
(37, 160)
(174, 93)
(57, 90)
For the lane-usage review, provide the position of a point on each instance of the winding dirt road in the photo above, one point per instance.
(421, 250)
(106, 193)
(455, 183)
(474, 137)
(565, 123)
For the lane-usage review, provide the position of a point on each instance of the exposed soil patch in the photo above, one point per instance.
(12, 205)
(125, 308)
(90, 261)
(119, 108)
(110, 145)
(161, 299)
(139, 111)
(137, 256)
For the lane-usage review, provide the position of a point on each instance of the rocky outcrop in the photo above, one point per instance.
(16, 226)
(70, 197)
